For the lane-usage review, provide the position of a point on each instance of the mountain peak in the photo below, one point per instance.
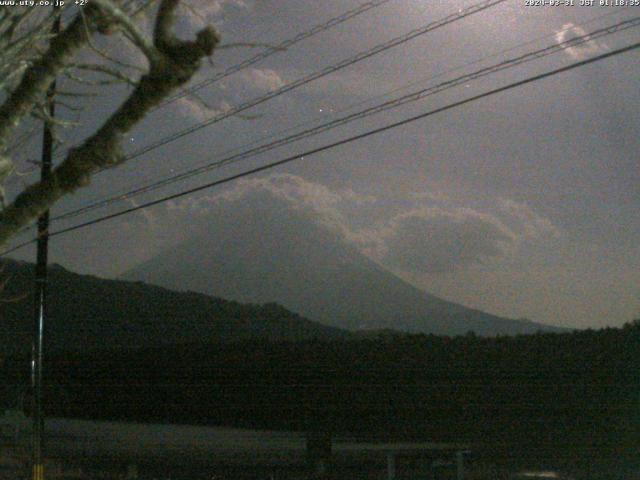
(263, 252)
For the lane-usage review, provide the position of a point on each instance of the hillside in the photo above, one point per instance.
(87, 312)
(244, 255)
(566, 400)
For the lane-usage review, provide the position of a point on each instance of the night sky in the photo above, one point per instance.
(522, 204)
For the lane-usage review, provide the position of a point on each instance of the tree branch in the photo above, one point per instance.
(138, 38)
(39, 76)
(174, 64)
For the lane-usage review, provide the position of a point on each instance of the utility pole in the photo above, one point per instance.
(40, 290)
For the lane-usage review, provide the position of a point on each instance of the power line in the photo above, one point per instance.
(453, 17)
(459, 15)
(337, 143)
(279, 47)
(348, 15)
(405, 99)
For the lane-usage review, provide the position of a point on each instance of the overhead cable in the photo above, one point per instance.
(338, 143)
(451, 18)
(275, 49)
(394, 103)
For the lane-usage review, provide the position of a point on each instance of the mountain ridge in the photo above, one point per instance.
(88, 312)
(249, 257)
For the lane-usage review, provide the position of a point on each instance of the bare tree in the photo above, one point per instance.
(31, 57)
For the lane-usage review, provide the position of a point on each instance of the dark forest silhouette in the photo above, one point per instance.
(568, 398)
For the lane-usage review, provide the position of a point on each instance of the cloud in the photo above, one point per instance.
(580, 51)
(251, 81)
(263, 79)
(200, 13)
(222, 96)
(527, 222)
(438, 240)
(313, 200)
(432, 234)
(197, 110)
(296, 191)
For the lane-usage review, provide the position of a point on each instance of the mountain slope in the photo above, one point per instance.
(89, 312)
(248, 257)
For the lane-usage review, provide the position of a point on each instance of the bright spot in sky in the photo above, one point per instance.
(539, 474)
(581, 51)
